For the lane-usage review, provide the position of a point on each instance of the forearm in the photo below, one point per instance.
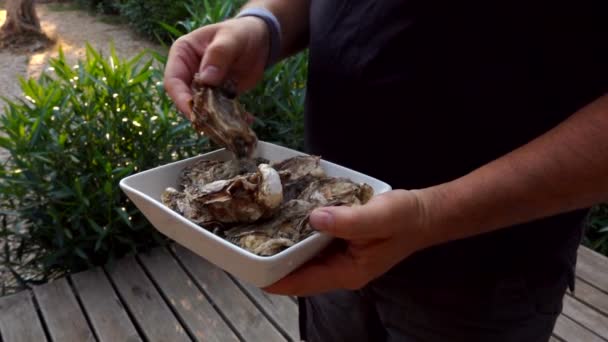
(293, 17)
(563, 170)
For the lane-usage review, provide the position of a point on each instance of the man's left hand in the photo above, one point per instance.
(377, 235)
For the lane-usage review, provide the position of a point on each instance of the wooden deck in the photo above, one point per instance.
(174, 295)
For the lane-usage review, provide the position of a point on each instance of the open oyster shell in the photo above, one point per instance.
(297, 173)
(243, 198)
(207, 171)
(217, 113)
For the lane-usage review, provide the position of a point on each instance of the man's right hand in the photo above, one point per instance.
(235, 49)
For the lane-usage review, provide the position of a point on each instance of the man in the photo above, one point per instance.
(489, 120)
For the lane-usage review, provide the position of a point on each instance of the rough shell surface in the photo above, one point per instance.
(297, 173)
(217, 113)
(287, 227)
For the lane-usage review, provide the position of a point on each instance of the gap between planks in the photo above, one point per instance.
(41, 319)
(166, 300)
(289, 332)
(124, 305)
(191, 304)
(206, 294)
(81, 306)
(249, 321)
(585, 316)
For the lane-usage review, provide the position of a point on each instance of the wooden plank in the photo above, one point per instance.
(281, 309)
(591, 296)
(593, 267)
(152, 314)
(585, 316)
(188, 301)
(64, 318)
(106, 314)
(248, 321)
(568, 330)
(18, 319)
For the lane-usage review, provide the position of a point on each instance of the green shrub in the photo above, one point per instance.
(596, 236)
(278, 100)
(79, 130)
(145, 15)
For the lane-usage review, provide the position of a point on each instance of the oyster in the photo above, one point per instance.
(297, 173)
(295, 168)
(217, 113)
(288, 227)
(336, 191)
(207, 171)
(243, 198)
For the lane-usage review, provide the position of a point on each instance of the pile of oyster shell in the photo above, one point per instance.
(262, 206)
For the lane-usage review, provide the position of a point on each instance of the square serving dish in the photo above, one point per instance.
(146, 187)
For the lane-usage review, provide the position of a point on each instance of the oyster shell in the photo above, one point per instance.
(297, 173)
(207, 171)
(288, 227)
(336, 191)
(217, 113)
(295, 168)
(243, 198)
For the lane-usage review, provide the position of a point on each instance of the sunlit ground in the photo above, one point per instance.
(71, 29)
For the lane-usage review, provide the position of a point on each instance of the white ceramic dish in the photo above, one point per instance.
(145, 188)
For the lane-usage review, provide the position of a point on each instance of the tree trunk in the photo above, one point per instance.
(22, 26)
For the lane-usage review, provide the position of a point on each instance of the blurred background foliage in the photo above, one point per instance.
(81, 128)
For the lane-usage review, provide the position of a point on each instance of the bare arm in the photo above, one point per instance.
(293, 17)
(563, 170)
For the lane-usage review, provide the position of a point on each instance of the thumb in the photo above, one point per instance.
(218, 58)
(351, 223)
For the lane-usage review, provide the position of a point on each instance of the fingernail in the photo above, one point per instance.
(321, 219)
(210, 74)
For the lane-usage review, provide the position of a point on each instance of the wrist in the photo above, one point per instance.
(259, 40)
(273, 31)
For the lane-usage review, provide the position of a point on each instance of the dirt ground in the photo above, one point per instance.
(71, 28)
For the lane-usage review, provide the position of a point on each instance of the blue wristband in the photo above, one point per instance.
(274, 30)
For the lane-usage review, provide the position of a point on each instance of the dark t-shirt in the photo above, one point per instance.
(417, 93)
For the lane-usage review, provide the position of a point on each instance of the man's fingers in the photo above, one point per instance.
(369, 221)
(182, 63)
(180, 93)
(219, 56)
(360, 222)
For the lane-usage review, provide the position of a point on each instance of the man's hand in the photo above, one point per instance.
(235, 49)
(564, 169)
(377, 235)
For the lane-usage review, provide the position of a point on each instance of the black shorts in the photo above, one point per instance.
(518, 307)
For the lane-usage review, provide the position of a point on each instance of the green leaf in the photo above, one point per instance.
(107, 188)
(123, 216)
(81, 253)
(95, 226)
(171, 29)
